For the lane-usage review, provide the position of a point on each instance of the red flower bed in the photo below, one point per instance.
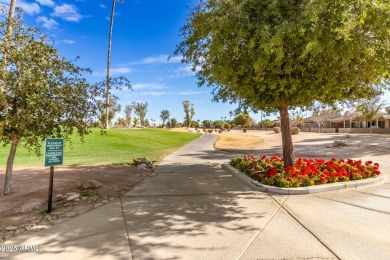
(306, 172)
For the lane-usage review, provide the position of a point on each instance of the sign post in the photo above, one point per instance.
(54, 155)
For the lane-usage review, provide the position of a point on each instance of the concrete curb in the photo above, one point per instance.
(301, 190)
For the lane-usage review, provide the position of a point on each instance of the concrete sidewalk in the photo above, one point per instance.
(193, 209)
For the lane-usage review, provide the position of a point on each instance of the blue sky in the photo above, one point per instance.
(145, 33)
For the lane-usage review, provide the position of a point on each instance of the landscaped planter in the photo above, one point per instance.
(301, 190)
(306, 172)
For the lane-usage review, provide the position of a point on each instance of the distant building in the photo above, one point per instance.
(349, 120)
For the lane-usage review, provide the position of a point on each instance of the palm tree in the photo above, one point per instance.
(109, 59)
(10, 18)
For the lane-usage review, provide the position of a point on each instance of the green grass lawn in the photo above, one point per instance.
(118, 146)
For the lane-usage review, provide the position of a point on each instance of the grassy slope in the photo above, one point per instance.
(118, 146)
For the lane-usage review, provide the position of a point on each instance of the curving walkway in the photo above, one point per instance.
(193, 209)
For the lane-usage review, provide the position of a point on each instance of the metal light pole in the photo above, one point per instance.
(109, 59)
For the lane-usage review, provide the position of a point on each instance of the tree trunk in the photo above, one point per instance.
(109, 62)
(10, 164)
(288, 149)
(11, 15)
(8, 34)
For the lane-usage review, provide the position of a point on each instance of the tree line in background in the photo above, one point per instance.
(140, 109)
(369, 107)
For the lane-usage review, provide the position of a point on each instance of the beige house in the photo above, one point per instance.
(347, 123)
(356, 120)
(322, 121)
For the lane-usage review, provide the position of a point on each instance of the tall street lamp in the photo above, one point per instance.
(109, 59)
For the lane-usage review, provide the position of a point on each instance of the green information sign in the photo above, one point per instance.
(54, 151)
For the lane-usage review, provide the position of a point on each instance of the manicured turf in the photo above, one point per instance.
(118, 146)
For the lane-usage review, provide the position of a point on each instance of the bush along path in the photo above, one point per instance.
(305, 172)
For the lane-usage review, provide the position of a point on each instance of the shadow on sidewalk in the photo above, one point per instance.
(160, 222)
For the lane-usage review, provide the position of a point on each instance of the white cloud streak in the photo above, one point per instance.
(113, 72)
(47, 23)
(66, 41)
(148, 86)
(28, 8)
(123, 70)
(182, 72)
(158, 60)
(67, 12)
(153, 93)
(188, 93)
(49, 3)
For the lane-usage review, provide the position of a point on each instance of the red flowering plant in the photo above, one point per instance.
(305, 172)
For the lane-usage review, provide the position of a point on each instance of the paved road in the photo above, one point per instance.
(193, 209)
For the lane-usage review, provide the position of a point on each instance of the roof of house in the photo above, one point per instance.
(325, 117)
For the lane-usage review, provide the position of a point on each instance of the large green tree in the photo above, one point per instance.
(45, 95)
(117, 83)
(243, 120)
(128, 112)
(140, 109)
(273, 55)
(371, 108)
(164, 115)
(113, 108)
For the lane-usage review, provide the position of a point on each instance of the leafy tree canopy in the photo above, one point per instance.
(207, 123)
(266, 123)
(44, 94)
(273, 55)
(140, 109)
(269, 53)
(219, 124)
(243, 120)
(164, 115)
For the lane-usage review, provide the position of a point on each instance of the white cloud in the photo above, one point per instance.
(67, 12)
(123, 70)
(47, 23)
(153, 93)
(158, 59)
(102, 5)
(66, 41)
(49, 3)
(182, 72)
(28, 8)
(148, 86)
(187, 93)
(113, 72)
(175, 59)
